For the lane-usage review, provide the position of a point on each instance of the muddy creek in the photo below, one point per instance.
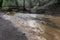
(36, 26)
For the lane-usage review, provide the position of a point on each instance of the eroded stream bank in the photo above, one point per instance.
(36, 26)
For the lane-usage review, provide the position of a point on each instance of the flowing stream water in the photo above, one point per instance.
(34, 25)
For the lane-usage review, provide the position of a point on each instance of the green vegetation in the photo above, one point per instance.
(29, 3)
(5, 4)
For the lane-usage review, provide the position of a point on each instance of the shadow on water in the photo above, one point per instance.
(9, 32)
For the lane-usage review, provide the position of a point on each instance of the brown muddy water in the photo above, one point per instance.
(34, 25)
